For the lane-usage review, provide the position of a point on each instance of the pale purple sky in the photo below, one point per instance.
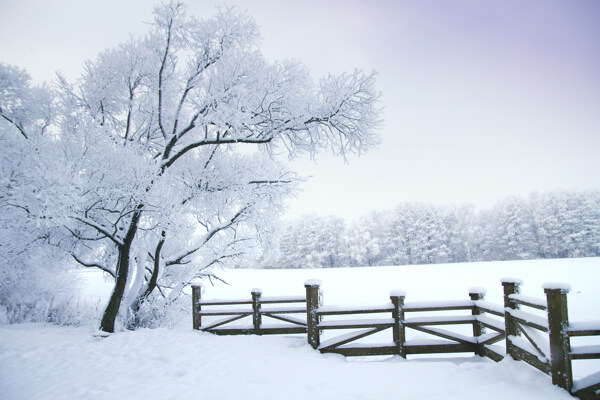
(483, 99)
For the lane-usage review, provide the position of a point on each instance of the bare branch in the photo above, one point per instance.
(16, 125)
(94, 265)
(101, 229)
(207, 237)
(219, 141)
(160, 78)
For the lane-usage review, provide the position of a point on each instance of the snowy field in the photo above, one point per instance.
(49, 362)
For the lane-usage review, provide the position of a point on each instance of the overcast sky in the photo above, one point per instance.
(483, 99)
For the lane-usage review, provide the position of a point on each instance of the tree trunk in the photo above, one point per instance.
(150, 286)
(112, 309)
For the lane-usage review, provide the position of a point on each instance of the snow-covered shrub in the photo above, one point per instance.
(32, 291)
(160, 313)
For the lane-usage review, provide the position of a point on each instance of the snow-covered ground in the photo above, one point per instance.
(49, 362)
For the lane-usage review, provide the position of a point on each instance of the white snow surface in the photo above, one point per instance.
(398, 293)
(45, 362)
(477, 290)
(557, 285)
(48, 362)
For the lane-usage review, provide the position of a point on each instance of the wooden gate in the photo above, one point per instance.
(544, 341)
(257, 309)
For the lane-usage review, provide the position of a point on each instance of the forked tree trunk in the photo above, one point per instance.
(150, 286)
(112, 309)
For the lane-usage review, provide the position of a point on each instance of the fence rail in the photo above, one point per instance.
(274, 310)
(536, 331)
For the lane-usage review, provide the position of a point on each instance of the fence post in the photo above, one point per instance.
(397, 297)
(511, 286)
(196, 307)
(312, 305)
(476, 294)
(256, 320)
(558, 324)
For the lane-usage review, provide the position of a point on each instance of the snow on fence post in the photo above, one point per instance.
(196, 297)
(477, 294)
(312, 319)
(558, 324)
(397, 298)
(256, 293)
(511, 286)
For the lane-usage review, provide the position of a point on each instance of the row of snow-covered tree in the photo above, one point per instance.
(551, 225)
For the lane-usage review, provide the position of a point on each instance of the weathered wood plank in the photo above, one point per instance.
(231, 331)
(445, 320)
(592, 332)
(490, 338)
(439, 306)
(223, 302)
(492, 355)
(439, 348)
(357, 324)
(477, 295)
(446, 334)
(588, 387)
(398, 329)
(529, 320)
(313, 301)
(589, 352)
(357, 310)
(530, 336)
(214, 313)
(523, 355)
(348, 338)
(282, 310)
(285, 319)
(532, 302)
(282, 331)
(491, 323)
(584, 328)
(261, 331)
(510, 287)
(362, 351)
(584, 356)
(490, 308)
(196, 299)
(223, 322)
(277, 300)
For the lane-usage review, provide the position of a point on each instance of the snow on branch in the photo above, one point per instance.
(101, 229)
(94, 265)
(206, 238)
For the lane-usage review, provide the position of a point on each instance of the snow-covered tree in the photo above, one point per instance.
(32, 273)
(314, 241)
(556, 224)
(366, 238)
(566, 224)
(416, 235)
(514, 234)
(169, 143)
(460, 227)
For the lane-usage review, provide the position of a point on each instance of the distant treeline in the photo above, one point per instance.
(550, 225)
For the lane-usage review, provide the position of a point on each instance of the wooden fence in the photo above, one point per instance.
(254, 309)
(536, 331)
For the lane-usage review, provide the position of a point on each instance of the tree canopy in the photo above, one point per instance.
(161, 160)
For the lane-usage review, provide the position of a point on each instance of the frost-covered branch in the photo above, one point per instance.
(94, 265)
(151, 140)
(201, 143)
(101, 229)
(206, 238)
(15, 124)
